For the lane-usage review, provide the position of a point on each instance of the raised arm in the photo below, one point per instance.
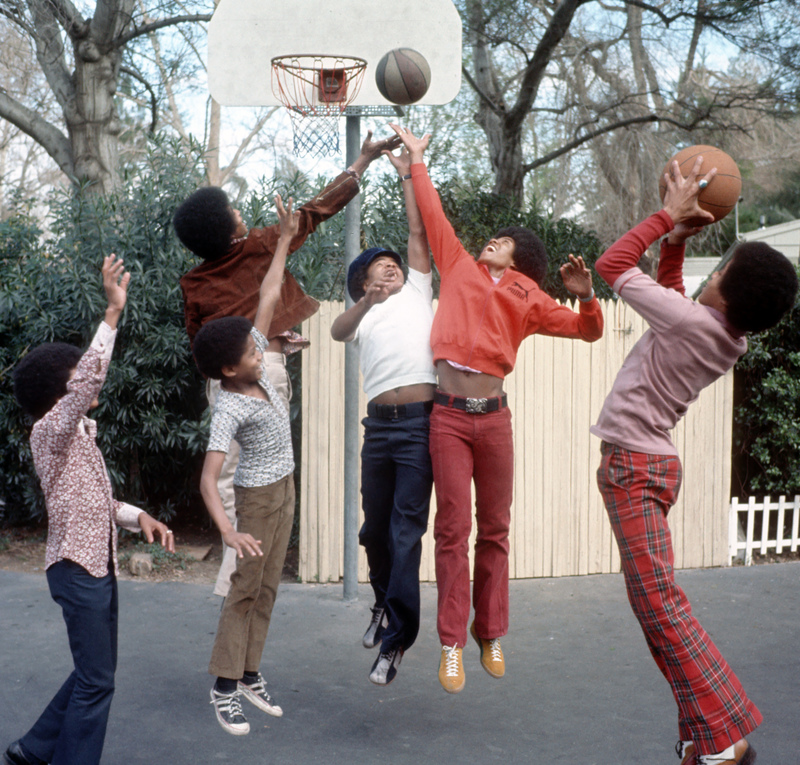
(680, 214)
(445, 245)
(371, 150)
(271, 284)
(418, 254)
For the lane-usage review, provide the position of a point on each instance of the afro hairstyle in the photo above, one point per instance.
(204, 223)
(759, 285)
(221, 343)
(41, 378)
(530, 255)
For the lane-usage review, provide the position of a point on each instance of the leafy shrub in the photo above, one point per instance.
(767, 412)
(150, 426)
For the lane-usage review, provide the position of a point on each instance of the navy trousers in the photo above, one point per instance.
(72, 729)
(396, 482)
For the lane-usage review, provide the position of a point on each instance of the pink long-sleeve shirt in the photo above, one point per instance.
(687, 347)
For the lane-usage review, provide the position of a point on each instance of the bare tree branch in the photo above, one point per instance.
(149, 88)
(54, 142)
(152, 26)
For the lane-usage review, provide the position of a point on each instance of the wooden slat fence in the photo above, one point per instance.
(558, 522)
(763, 526)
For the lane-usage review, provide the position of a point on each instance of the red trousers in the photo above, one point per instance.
(466, 448)
(639, 490)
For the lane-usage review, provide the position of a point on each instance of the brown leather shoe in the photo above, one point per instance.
(686, 752)
(743, 754)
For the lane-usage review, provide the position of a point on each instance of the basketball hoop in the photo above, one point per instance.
(316, 90)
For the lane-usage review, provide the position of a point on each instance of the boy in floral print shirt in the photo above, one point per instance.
(56, 384)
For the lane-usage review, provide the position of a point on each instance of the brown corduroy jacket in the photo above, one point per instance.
(230, 285)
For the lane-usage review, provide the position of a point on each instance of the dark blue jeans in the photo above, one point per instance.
(72, 730)
(396, 481)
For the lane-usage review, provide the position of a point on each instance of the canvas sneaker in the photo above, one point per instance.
(385, 667)
(376, 627)
(256, 693)
(491, 654)
(451, 669)
(229, 712)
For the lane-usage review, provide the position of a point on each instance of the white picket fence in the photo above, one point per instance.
(751, 526)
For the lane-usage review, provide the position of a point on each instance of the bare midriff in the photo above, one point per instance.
(406, 394)
(467, 384)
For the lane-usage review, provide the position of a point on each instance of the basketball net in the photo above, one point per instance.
(316, 90)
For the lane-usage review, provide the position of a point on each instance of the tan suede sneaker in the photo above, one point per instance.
(491, 654)
(451, 669)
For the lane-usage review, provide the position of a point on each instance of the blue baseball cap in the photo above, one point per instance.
(362, 262)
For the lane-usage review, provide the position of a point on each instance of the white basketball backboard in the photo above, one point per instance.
(245, 35)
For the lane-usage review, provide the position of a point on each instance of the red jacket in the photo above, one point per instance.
(481, 324)
(230, 285)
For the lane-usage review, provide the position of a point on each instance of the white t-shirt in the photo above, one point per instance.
(394, 338)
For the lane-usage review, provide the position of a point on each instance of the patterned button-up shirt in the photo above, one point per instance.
(261, 428)
(82, 514)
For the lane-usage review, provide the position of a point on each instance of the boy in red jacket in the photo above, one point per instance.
(487, 307)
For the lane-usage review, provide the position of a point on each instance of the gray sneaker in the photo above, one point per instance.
(376, 627)
(256, 693)
(229, 712)
(385, 667)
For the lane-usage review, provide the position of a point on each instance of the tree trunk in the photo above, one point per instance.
(93, 124)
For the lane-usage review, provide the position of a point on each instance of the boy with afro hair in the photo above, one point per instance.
(250, 412)
(687, 347)
(487, 307)
(227, 283)
(56, 385)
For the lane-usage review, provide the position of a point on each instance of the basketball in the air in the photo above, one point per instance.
(403, 76)
(723, 190)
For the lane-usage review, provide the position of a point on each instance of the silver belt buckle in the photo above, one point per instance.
(477, 405)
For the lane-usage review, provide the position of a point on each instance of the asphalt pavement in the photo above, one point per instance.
(580, 685)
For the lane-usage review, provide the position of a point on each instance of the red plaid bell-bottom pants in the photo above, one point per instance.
(639, 490)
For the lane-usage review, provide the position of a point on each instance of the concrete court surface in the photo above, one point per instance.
(580, 684)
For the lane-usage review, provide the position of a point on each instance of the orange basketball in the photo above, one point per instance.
(723, 190)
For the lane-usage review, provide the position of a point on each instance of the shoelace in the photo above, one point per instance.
(451, 661)
(377, 615)
(259, 689)
(229, 703)
(495, 650)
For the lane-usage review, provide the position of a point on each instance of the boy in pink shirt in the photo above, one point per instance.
(688, 346)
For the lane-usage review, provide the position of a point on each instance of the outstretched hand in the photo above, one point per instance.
(115, 282)
(680, 198)
(577, 277)
(415, 146)
(371, 150)
(379, 291)
(289, 221)
(401, 161)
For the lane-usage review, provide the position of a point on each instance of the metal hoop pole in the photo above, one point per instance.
(352, 241)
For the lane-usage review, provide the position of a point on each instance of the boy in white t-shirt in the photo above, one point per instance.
(391, 326)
